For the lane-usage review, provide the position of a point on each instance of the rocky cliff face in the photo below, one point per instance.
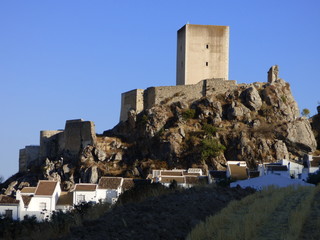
(256, 122)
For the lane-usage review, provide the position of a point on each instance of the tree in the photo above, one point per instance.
(305, 112)
(1, 179)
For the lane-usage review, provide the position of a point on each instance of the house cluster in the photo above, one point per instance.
(47, 197)
(183, 178)
(281, 173)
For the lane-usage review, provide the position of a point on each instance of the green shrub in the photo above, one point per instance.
(209, 129)
(189, 114)
(211, 148)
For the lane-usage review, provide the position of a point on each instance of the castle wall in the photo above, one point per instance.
(202, 53)
(168, 94)
(28, 155)
(51, 142)
(78, 134)
(131, 100)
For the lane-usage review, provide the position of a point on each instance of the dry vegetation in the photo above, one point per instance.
(285, 213)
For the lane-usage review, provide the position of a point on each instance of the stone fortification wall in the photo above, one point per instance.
(78, 134)
(26, 156)
(168, 94)
(218, 86)
(51, 142)
(131, 99)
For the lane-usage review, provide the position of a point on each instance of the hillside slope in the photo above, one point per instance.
(256, 123)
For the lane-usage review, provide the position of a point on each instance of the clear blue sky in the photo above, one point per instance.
(63, 60)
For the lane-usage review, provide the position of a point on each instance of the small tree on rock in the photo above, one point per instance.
(305, 112)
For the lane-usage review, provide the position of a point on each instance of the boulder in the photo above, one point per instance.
(252, 99)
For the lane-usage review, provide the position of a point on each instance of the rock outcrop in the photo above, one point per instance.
(258, 122)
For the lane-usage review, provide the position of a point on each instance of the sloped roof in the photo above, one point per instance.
(171, 173)
(315, 161)
(191, 174)
(46, 187)
(109, 182)
(28, 190)
(238, 172)
(168, 179)
(85, 187)
(192, 180)
(66, 198)
(7, 200)
(26, 200)
(127, 184)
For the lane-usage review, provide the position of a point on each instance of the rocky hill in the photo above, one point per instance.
(256, 122)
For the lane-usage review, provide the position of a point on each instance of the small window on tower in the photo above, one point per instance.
(207, 64)
(207, 46)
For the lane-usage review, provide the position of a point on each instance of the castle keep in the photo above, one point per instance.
(202, 53)
(202, 68)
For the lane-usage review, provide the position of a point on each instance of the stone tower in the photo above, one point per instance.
(202, 53)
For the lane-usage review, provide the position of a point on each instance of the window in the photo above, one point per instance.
(42, 206)
(207, 46)
(81, 198)
(207, 64)
(8, 214)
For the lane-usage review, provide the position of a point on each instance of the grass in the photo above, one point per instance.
(273, 213)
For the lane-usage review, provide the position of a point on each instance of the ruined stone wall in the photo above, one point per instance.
(78, 134)
(168, 94)
(27, 155)
(51, 143)
(132, 99)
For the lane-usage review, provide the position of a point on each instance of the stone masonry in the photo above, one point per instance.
(140, 100)
(54, 143)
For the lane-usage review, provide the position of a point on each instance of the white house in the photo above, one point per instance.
(109, 189)
(9, 207)
(295, 169)
(84, 192)
(262, 182)
(40, 201)
(312, 163)
(237, 170)
(65, 201)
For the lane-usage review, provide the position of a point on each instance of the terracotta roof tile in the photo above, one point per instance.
(171, 173)
(109, 182)
(66, 198)
(191, 174)
(85, 187)
(192, 180)
(45, 187)
(28, 190)
(168, 179)
(127, 184)
(7, 200)
(238, 172)
(26, 200)
(315, 161)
